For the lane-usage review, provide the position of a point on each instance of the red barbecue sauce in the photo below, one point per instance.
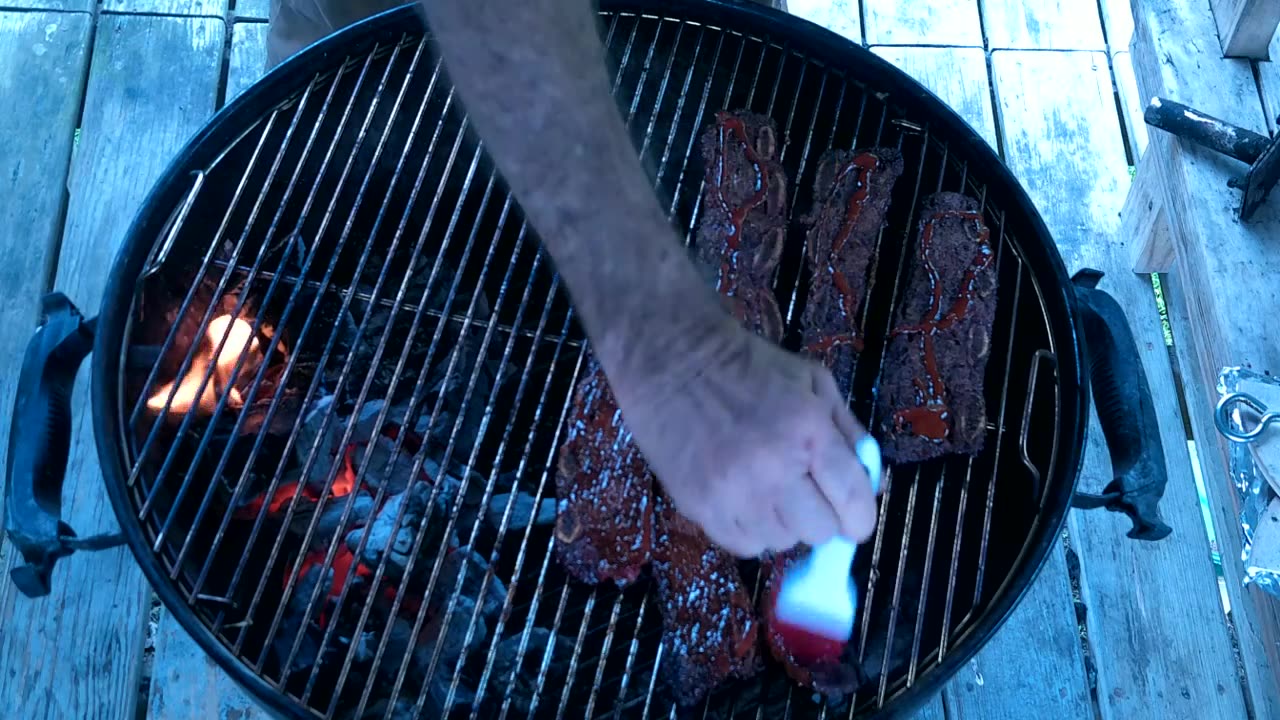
(864, 164)
(931, 418)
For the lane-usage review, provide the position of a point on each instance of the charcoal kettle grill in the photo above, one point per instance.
(332, 366)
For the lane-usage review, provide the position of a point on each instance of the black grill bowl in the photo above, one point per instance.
(959, 540)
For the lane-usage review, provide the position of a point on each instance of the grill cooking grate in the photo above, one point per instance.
(362, 236)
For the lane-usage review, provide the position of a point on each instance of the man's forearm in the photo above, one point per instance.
(532, 77)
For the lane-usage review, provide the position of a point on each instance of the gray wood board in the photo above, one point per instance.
(259, 9)
(1231, 266)
(839, 16)
(80, 5)
(956, 75)
(1034, 666)
(76, 653)
(43, 58)
(248, 57)
(1141, 596)
(1055, 683)
(939, 22)
(186, 683)
(1043, 25)
(207, 8)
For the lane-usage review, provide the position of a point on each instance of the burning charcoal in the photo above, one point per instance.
(474, 570)
(524, 511)
(387, 467)
(521, 683)
(330, 522)
(469, 497)
(308, 432)
(384, 535)
(450, 636)
(291, 624)
(399, 643)
(288, 404)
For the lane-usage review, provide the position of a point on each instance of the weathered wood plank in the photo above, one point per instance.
(1132, 104)
(1246, 27)
(257, 9)
(1033, 667)
(956, 75)
(1149, 665)
(187, 683)
(1253, 612)
(946, 22)
(248, 57)
(1045, 25)
(76, 653)
(208, 8)
(839, 16)
(1226, 270)
(70, 5)
(1117, 20)
(36, 132)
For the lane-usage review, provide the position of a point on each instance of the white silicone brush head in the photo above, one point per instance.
(818, 595)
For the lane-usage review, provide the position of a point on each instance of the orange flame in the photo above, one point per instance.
(239, 340)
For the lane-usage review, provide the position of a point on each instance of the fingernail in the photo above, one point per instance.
(868, 452)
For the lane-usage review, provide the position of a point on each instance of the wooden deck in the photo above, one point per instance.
(97, 98)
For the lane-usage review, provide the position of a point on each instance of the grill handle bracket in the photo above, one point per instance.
(1126, 412)
(40, 443)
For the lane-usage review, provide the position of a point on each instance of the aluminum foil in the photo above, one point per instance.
(1255, 492)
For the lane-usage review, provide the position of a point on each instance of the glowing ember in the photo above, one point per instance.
(239, 340)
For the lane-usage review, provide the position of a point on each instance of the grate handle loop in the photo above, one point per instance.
(40, 443)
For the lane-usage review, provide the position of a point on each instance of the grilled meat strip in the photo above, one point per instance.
(742, 227)
(710, 630)
(604, 520)
(709, 624)
(852, 190)
(606, 524)
(931, 395)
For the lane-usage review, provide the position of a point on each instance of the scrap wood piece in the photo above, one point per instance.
(1246, 27)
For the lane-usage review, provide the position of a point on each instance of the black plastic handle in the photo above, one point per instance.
(39, 443)
(1126, 412)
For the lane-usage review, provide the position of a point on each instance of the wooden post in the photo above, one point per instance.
(1245, 27)
(1144, 221)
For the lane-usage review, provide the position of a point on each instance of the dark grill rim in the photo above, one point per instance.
(821, 47)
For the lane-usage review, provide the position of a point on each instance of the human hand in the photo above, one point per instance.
(753, 443)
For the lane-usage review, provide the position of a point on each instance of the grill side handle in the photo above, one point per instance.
(1126, 412)
(40, 443)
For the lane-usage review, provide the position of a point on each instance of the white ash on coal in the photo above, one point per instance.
(394, 532)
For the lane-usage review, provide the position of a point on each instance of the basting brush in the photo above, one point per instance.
(817, 601)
